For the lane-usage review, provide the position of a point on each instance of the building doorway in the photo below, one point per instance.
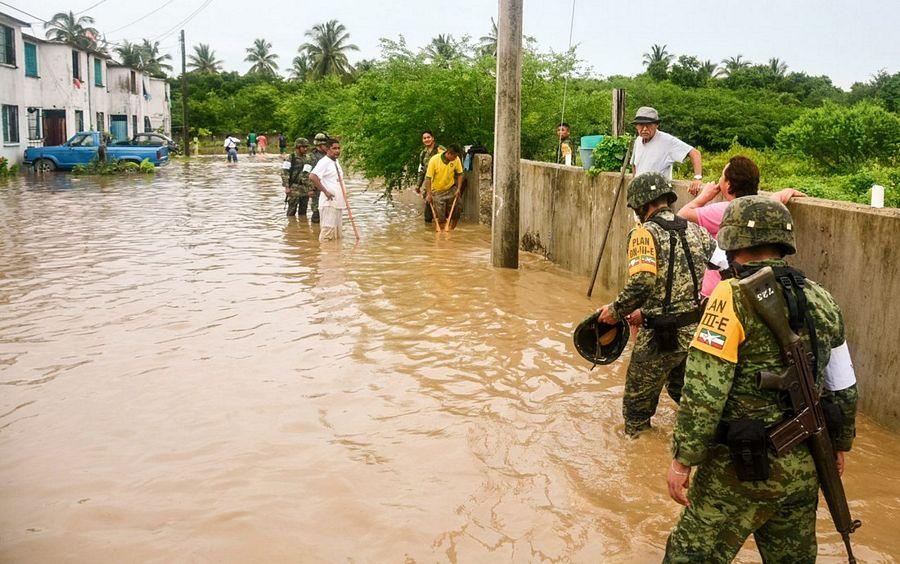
(54, 127)
(118, 128)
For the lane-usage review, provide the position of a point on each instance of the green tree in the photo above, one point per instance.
(777, 67)
(883, 88)
(152, 61)
(262, 58)
(842, 139)
(327, 50)
(657, 62)
(443, 49)
(65, 27)
(689, 72)
(732, 64)
(300, 67)
(204, 60)
(129, 54)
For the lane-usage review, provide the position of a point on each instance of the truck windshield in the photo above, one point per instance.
(83, 141)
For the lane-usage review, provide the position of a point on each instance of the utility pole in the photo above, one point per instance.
(184, 99)
(507, 136)
(618, 112)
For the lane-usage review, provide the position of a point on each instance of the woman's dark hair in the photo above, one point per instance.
(743, 176)
(428, 131)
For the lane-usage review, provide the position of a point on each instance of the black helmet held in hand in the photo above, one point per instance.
(598, 342)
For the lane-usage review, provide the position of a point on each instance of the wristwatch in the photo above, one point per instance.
(698, 177)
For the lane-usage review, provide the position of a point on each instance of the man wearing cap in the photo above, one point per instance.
(725, 416)
(666, 259)
(295, 178)
(321, 150)
(657, 151)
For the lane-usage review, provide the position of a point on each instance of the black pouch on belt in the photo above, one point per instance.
(747, 440)
(665, 333)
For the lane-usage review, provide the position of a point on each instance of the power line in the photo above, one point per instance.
(141, 18)
(23, 11)
(184, 21)
(89, 8)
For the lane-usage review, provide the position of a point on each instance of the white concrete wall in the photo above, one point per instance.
(12, 92)
(157, 107)
(122, 101)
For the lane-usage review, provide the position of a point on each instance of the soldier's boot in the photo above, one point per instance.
(301, 208)
(429, 217)
(292, 207)
(634, 428)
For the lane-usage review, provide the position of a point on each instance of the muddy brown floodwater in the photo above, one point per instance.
(188, 376)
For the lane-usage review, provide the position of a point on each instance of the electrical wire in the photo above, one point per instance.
(145, 16)
(184, 21)
(23, 11)
(89, 8)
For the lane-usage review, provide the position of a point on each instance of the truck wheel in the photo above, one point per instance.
(44, 165)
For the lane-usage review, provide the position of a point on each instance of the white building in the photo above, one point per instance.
(50, 90)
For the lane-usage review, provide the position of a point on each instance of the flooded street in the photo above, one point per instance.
(187, 375)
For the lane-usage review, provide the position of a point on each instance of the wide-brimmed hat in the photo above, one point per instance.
(646, 114)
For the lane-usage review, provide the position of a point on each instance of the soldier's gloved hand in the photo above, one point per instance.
(679, 479)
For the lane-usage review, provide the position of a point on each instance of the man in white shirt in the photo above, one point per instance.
(231, 145)
(328, 176)
(657, 151)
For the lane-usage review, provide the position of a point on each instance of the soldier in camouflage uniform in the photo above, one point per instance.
(430, 149)
(666, 260)
(321, 141)
(731, 346)
(295, 178)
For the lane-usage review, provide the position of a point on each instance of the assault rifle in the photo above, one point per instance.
(808, 423)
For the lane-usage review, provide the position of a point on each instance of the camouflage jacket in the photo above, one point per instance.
(648, 270)
(717, 388)
(294, 177)
(425, 156)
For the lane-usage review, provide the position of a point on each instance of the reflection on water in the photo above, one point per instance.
(188, 375)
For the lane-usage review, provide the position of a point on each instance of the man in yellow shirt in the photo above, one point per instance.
(444, 171)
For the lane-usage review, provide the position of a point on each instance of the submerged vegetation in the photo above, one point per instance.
(114, 166)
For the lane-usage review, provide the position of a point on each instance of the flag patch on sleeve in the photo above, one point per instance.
(719, 332)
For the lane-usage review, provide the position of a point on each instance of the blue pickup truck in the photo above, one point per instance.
(82, 148)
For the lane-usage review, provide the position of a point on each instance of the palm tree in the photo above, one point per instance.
(658, 55)
(152, 61)
(732, 64)
(129, 54)
(777, 66)
(487, 44)
(708, 69)
(78, 32)
(300, 67)
(263, 60)
(204, 60)
(327, 49)
(443, 48)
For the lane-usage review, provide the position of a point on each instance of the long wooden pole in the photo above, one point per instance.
(452, 208)
(434, 218)
(347, 201)
(612, 215)
(507, 136)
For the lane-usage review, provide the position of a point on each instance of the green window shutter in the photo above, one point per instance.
(31, 60)
(98, 72)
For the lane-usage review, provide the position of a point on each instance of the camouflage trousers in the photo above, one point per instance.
(780, 512)
(297, 201)
(314, 201)
(648, 371)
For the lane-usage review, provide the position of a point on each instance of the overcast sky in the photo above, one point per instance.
(848, 40)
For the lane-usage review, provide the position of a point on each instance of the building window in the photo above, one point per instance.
(76, 65)
(35, 129)
(79, 121)
(101, 124)
(7, 45)
(98, 72)
(10, 124)
(31, 60)
(133, 83)
(147, 127)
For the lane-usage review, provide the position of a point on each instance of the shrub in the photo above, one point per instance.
(609, 154)
(842, 139)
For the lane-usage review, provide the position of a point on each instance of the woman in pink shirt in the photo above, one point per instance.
(739, 178)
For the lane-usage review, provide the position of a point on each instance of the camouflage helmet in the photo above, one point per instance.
(648, 186)
(320, 138)
(301, 142)
(598, 342)
(756, 220)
